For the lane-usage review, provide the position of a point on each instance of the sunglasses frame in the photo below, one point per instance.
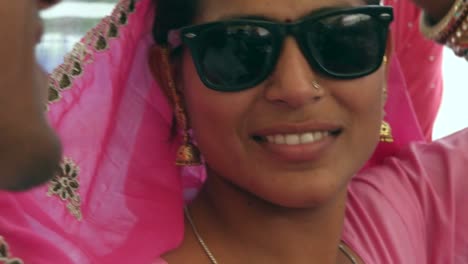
(192, 37)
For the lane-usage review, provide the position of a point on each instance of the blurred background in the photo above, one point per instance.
(67, 22)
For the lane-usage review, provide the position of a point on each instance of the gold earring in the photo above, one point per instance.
(385, 128)
(386, 132)
(188, 154)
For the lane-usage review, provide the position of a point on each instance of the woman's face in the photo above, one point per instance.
(256, 138)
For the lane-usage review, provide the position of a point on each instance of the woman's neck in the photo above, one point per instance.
(239, 226)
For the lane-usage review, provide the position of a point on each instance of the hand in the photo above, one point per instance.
(29, 150)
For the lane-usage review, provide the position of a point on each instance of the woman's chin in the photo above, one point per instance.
(307, 195)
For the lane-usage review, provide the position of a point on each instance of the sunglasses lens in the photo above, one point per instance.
(235, 57)
(347, 45)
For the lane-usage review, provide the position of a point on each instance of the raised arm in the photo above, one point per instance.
(446, 22)
(435, 9)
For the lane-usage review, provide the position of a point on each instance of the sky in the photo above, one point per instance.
(453, 114)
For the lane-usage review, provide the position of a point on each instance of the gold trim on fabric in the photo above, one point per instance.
(97, 40)
(65, 185)
(5, 257)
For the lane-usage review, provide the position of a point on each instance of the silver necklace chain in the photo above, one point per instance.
(212, 258)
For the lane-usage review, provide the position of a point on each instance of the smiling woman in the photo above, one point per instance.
(287, 104)
(283, 100)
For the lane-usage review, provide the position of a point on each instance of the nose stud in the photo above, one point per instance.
(316, 85)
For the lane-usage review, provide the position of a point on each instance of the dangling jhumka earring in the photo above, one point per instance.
(187, 154)
(385, 128)
(386, 132)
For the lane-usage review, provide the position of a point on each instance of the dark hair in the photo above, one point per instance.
(172, 14)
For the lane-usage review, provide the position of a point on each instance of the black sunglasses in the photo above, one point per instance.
(238, 54)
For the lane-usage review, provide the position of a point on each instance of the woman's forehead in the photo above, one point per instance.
(287, 10)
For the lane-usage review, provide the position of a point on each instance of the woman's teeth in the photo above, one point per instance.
(297, 139)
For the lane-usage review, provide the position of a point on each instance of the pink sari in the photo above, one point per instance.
(119, 196)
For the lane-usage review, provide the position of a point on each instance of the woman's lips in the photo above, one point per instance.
(297, 151)
(296, 139)
(298, 143)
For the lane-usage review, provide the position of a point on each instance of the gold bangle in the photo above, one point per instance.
(448, 25)
(458, 40)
